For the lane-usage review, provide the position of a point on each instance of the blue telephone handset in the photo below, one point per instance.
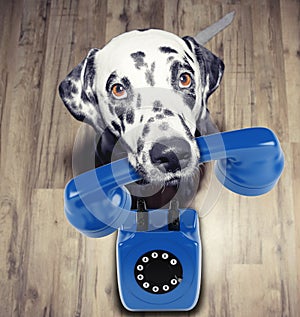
(248, 162)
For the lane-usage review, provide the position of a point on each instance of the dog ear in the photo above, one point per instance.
(206, 125)
(211, 72)
(78, 93)
(211, 68)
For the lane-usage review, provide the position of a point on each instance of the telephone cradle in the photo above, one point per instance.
(159, 251)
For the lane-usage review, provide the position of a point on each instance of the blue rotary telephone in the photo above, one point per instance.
(159, 251)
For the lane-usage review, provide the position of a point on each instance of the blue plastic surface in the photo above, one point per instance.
(95, 201)
(185, 244)
(249, 162)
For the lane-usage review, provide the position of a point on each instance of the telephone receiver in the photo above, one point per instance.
(248, 162)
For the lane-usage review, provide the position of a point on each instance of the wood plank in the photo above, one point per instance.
(10, 25)
(216, 286)
(279, 256)
(65, 271)
(18, 148)
(133, 15)
(296, 207)
(269, 67)
(239, 80)
(290, 15)
(66, 47)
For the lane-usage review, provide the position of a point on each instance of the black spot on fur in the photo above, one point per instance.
(187, 42)
(138, 54)
(140, 145)
(80, 117)
(149, 74)
(146, 130)
(168, 113)
(150, 120)
(189, 57)
(157, 106)
(93, 98)
(116, 126)
(138, 101)
(73, 108)
(170, 58)
(149, 77)
(167, 50)
(96, 99)
(74, 89)
(138, 58)
(159, 116)
(153, 67)
(174, 72)
(186, 128)
(130, 116)
(188, 67)
(190, 100)
(65, 89)
(122, 123)
(73, 105)
(112, 77)
(142, 118)
(84, 97)
(126, 83)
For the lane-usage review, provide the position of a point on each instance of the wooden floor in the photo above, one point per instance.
(251, 246)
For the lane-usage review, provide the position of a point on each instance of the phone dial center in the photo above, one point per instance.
(158, 272)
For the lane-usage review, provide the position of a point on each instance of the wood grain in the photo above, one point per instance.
(251, 246)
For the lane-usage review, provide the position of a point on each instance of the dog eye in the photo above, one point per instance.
(119, 91)
(185, 80)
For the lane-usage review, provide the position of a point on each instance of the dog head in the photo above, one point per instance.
(149, 90)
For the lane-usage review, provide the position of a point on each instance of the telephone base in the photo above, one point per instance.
(160, 269)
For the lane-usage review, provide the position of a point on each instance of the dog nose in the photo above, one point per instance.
(170, 155)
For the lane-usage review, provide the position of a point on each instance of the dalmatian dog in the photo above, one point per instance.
(145, 93)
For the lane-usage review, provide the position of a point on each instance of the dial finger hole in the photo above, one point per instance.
(165, 256)
(140, 277)
(154, 255)
(146, 285)
(140, 267)
(166, 288)
(173, 281)
(173, 262)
